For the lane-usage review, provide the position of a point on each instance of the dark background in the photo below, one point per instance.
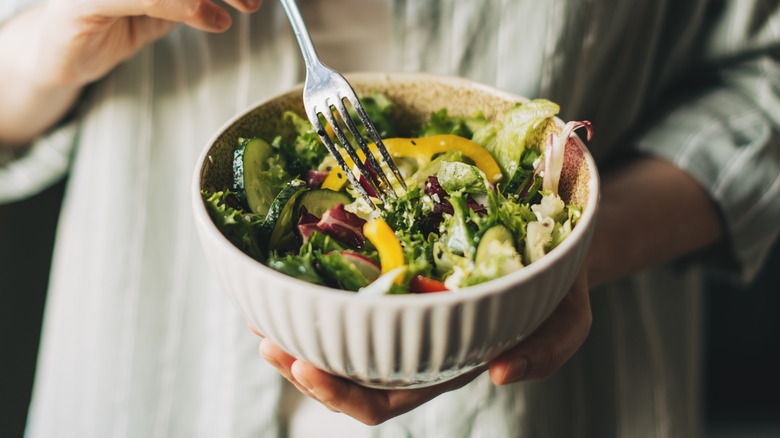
(742, 377)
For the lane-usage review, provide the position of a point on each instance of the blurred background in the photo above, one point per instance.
(742, 352)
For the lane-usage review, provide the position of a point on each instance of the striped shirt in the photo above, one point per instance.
(138, 341)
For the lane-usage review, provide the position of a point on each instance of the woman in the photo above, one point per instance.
(138, 342)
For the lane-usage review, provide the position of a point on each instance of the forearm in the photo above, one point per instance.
(34, 97)
(650, 212)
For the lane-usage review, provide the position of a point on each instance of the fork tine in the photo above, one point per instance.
(320, 82)
(374, 134)
(334, 152)
(342, 138)
(342, 110)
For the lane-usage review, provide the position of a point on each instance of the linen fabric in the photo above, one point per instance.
(138, 340)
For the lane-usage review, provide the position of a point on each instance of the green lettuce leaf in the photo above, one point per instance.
(335, 266)
(432, 167)
(305, 152)
(516, 216)
(524, 126)
(402, 213)
(239, 227)
(441, 122)
(301, 266)
(461, 177)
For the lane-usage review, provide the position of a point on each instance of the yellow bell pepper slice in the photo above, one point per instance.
(336, 178)
(423, 149)
(391, 255)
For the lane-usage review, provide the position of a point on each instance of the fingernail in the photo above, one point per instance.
(221, 20)
(267, 358)
(252, 4)
(254, 330)
(515, 369)
(301, 379)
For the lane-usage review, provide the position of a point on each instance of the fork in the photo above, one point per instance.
(324, 91)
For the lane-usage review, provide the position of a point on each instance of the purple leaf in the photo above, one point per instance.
(370, 190)
(307, 223)
(315, 178)
(337, 223)
(441, 205)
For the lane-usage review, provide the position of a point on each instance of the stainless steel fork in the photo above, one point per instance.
(324, 92)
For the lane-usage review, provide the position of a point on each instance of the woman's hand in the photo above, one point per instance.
(49, 52)
(92, 36)
(549, 347)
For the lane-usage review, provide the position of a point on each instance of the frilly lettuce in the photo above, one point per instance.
(301, 266)
(444, 217)
(239, 227)
(441, 122)
(305, 152)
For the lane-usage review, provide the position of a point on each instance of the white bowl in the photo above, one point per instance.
(394, 341)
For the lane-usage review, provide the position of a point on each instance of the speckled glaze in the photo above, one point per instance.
(394, 341)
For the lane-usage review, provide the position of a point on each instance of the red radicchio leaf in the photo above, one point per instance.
(438, 194)
(337, 223)
(315, 178)
(307, 223)
(442, 205)
(370, 190)
(369, 185)
(476, 206)
(554, 153)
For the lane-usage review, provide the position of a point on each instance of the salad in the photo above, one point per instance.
(481, 202)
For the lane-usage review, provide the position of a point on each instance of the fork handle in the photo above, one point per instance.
(304, 40)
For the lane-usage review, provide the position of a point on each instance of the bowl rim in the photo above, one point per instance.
(513, 280)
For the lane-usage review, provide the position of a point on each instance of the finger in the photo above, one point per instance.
(404, 400)
(245, 5)
(282, 361)
(255, 331)
(369, 405)
(363, 404)
(550, 345)
(200, 14)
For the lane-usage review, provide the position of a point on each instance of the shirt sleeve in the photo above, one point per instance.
(728, 138)
(39, 166)
(32, 169)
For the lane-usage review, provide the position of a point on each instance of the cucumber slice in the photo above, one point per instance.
(496, 233)
(278, 225)
(519, 181)
(318, 201)
(496, 255)
(249, 160)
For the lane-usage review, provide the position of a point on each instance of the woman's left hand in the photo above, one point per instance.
(539, 356)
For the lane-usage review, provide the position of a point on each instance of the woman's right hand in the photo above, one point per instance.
(85, 39)
(49, 52)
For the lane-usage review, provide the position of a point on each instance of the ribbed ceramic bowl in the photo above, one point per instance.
(393, 341)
